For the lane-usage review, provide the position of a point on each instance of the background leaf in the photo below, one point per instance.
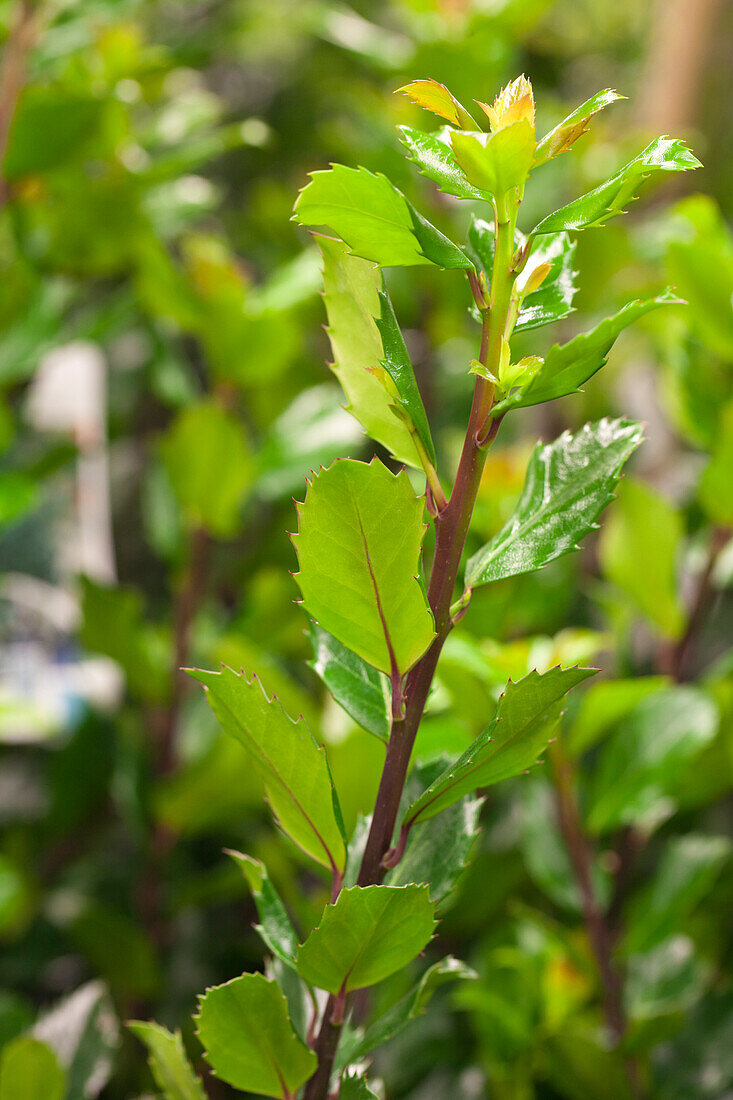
(29, 1070)
(171, 1069)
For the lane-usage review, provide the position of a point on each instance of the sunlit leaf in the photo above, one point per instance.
(435, 159)
(567, 132)
(496, 162)
(437, 98)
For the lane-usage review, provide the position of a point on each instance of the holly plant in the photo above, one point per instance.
(381, 607)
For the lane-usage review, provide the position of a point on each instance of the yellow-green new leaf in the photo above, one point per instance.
(437, 98)
(169, 1065)
(292, 766)
(567, 132)
(367, 934)
(249, 1040)
(358, 542)
(351, 295)
(496, 162)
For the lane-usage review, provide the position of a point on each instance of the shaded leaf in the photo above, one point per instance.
(646, 755)
(520, 731)
(360, 530)
(568, 484)
(361, 690)
(292, 766)
(567, 132)
(170, 1067)
(366, 935)
(248, 1038)
(354, 1087)
(553, 299)
(668, 979)
(83, 1030)
(275, 927)
(609, 198)
(374, 219)
(29, 1070)
(604, 705)
(397, 364)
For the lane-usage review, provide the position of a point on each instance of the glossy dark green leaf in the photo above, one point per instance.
(170, 1067)
(366, 935)
(520, 731)
(646, 756)
(567, 132)
(397, 364)
(275, 927)
(568, 484)
(553, 299)
(358, 542)
(374, 219)
(361, 690)
(567, 366)
(249, 1040)
(291, 764)
(434, 157)
(362, 1041)
(29, 1070)
(687, 870)
(609, 198)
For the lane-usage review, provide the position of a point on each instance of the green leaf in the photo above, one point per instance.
(409, 1008)
(667, 980)
(604, 705)
(292, 766)
(496, 162)
(354, 1087)
(248, 1038)
(434, 157)
(49, 127)
(519, 732)
(553, 299)
(29, 1070)
(568, 366)
(688, 868)
(568, 484)
(567, 132)
(397, 364)
(275, 927)
(170, 1067)
(83, 1030)
(646, 756)
(351, 296)
(436, 851)
(608, 199)
(361, 690)
(440, 100)
(366, 935)
(208, 463)
(374, 219)
(18, 494)
(358, 542)
(638, 552)
(715, 491)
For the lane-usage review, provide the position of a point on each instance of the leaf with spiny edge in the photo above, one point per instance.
(374, 219)
(368, 933)
(396, 363)
(609, 198)
(567, 366)
(519, 733)
(249, 1040)
(567, 132)
(169, 1065)
(568, 484)
(434, 157)
(275, 927)
(440, 101)
(360, 532)
(293, 767)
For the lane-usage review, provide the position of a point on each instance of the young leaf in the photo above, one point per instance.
(568, 366)
(374, 219)
(274, 928)
(397, 364)
(366, 935)
(359, 535)
(409, 1008)
(248, 1038)
(520, 731)
(553, 299)
(29, 1070)
(567, 132)
(361, 690)
(688, 868)
(496, 162)
(351, 295)
(608, 199)
(647, 755)
(568, 484)
(437, 98)
(435, 159)
(292, 766)
(638, 551)
(170, 1067)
